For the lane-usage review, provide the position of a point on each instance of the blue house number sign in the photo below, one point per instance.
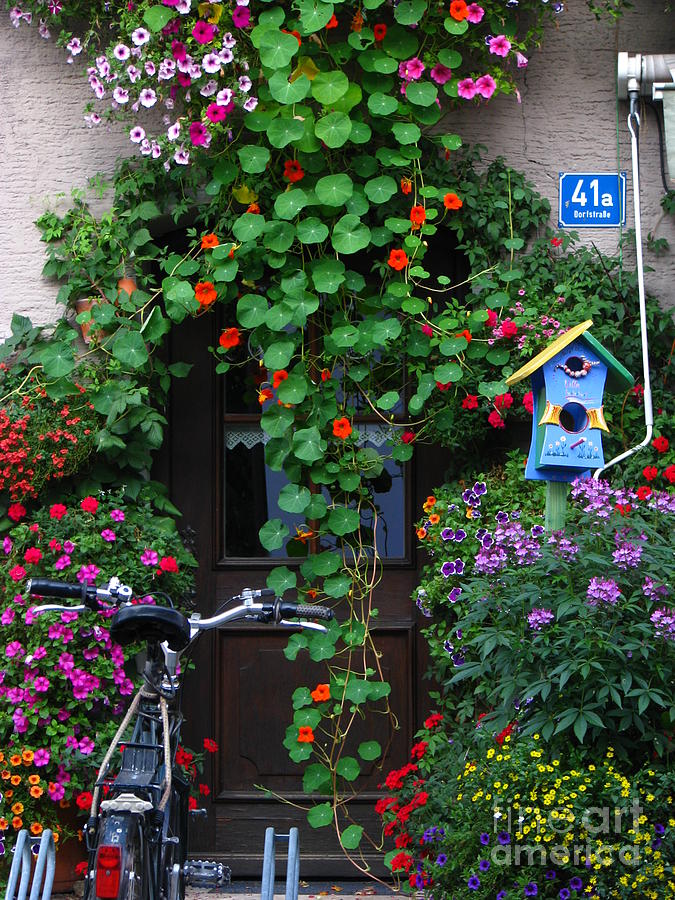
(592, 200)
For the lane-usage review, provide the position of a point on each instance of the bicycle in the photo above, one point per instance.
(137, 837)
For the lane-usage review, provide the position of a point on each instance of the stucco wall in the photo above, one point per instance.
(567, 121)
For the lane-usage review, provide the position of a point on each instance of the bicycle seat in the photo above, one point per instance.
(150, 623)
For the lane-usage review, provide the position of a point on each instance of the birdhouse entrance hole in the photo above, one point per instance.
(573, 418)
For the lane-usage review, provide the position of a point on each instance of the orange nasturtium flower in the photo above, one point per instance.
(434, 519)
(305, 735)
(458, 10)
(251, 208)
(332, 22)
(302, 533)
(326, 374)
(421, 533)
(406, 185)
(205, 293)
(320, 693)
(296, 35)
(229, 338)
(466, 334)
(342, 428)
(418, 215)
(357, 21)
(4, 824)
(452, 201)
(209, 241)
(429, 503)
(278, 377)
(397, 260)
(264, 395)
(293, 171)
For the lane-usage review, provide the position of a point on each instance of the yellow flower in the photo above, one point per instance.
(490, 753)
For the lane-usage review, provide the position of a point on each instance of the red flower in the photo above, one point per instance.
(650, 472)
(81, 868)
(16, 512)
(229, 338)
(296, 35)
(408, 437)
(556, 242)
(209, 241)
(643, 492)
(443, 387)
(17, 573)
(459, 10)
(420, 799)
(433, 721)
(332, 22)
(320, 693)
(406, 185)
(379, 32)
(669, 474)
(305, 735)
(383, 804)
(342, 428)
(264, 395)
(84, 800)
(293, 171)
(503, 401)
(504, 734)
(397, 260)
(418, 215)
(192, 803)
(57, 511)
(89, 504)
(496, 420)
(210, 745)
(168, 564)
(466, 334)
(452, 201)
(32, 555)
(401, 861)
(660, 444)
(419, 749)
(528, 402)
(183, 758)
(204, 790)
(470, 402)
(509, 328)
(205, 293)
(254, 209)
(326, 374)
(623, 508)
(278, 377)
(492, 318)
(403, 840)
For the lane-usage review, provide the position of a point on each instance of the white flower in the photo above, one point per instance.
(120, 95)
(140, 36)
(121, 52)
(74, 46)
(209, 88)
(181, 156)
(211, 63)
(136, 134)
(251, 104)
(173, 131)
(226, 56)
(224, 97)
(133, 73)
(228, 40)
(245, 83)
(148, 97)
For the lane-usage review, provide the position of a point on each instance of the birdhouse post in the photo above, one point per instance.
(569, 379)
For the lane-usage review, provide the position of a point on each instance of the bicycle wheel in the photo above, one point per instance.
(119, 872)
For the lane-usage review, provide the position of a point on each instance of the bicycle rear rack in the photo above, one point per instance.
(292, 864)
(19, 874)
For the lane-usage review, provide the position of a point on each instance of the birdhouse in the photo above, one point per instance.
(569, 379)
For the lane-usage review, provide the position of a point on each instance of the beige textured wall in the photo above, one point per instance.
(566, 122)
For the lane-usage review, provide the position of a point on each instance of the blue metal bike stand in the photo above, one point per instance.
(43, 876)
(292, 864)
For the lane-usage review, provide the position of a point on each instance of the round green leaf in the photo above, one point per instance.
(248, 227)
(328, 87)
(280, 580)
(379, 190)
(313, 16)
(129, 348)
(58, 359)
(451, 141)
(306, 717)
(308, 445)
(333, 129)
(350, 235)
(326, 563)
(342, 520)
(448, 372)
(279, 236)
(282, 131)
(272, 17)
(455, 27)
(357, 690)
(334, 190)
(312, 230)
(409, 12)
(276, 421)
(277, 49)
(382, 104)
(289, 204)
(251, 310)
(450, 58)
(361, 133)
(278, 355)
(253, 158)
(385, 65)
(288, 92)
(400, 42)
(348, 768)
(422, 93)
(293, 498)
(272, 534)
(406, 132)
(328, 274)
(317, 507)
(337, 585)
(388, 400)
(349, 100)
(293, 390)
(498, 357)
(369, 750)
(316, 779)
(321, 815)
(351, 836)
(226, 271)
(156, 17)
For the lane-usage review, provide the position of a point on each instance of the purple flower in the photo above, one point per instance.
(531, 889)
(411, 69)
(453, 596)
(7, 545)
(549, 875)
(480, 488)
(460, 534)
(448, 534)
(539, 617)
(88, 573)
(500, 45)
(606, 590)
(62, 562)
(659, 829)
(199, 134)
(68, 547)
(41, 757)
(15, 648)
(626, 555)
(475, 13)
(502, 517)
(522, 61)
(473, 883)
(484, 865)
(576, 883)
(663, 620)
(486, 86)
(504, 838)
(485, 838)
(241, 17)
(41, 684)
(149, 557)
(86, 746)
(203, 32)
(501, 895)
(441, 859)
(108, 535)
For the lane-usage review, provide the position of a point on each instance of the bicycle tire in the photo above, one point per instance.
(122, 831)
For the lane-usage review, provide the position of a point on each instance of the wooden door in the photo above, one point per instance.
(240, 692)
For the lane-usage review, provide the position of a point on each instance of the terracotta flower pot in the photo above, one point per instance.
(84, 305)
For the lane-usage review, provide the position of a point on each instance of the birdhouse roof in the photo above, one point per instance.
(618, 377)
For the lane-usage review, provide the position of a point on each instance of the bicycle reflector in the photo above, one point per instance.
(108, 871)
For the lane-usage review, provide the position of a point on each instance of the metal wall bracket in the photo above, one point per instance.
(292, 864)
(43, 876)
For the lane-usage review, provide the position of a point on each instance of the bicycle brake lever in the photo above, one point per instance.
(52, 607)
(310, 626)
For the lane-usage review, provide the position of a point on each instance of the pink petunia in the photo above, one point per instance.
(521, 60)
(117, 515)
(241, 17)
(411, 69)
(215, 112)
(467, 88)
(203, 32)
(475, 13)
(440, 73)
(199, 134)
(485, 86)
(41, 757)
(500, 45)
(149, 557)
